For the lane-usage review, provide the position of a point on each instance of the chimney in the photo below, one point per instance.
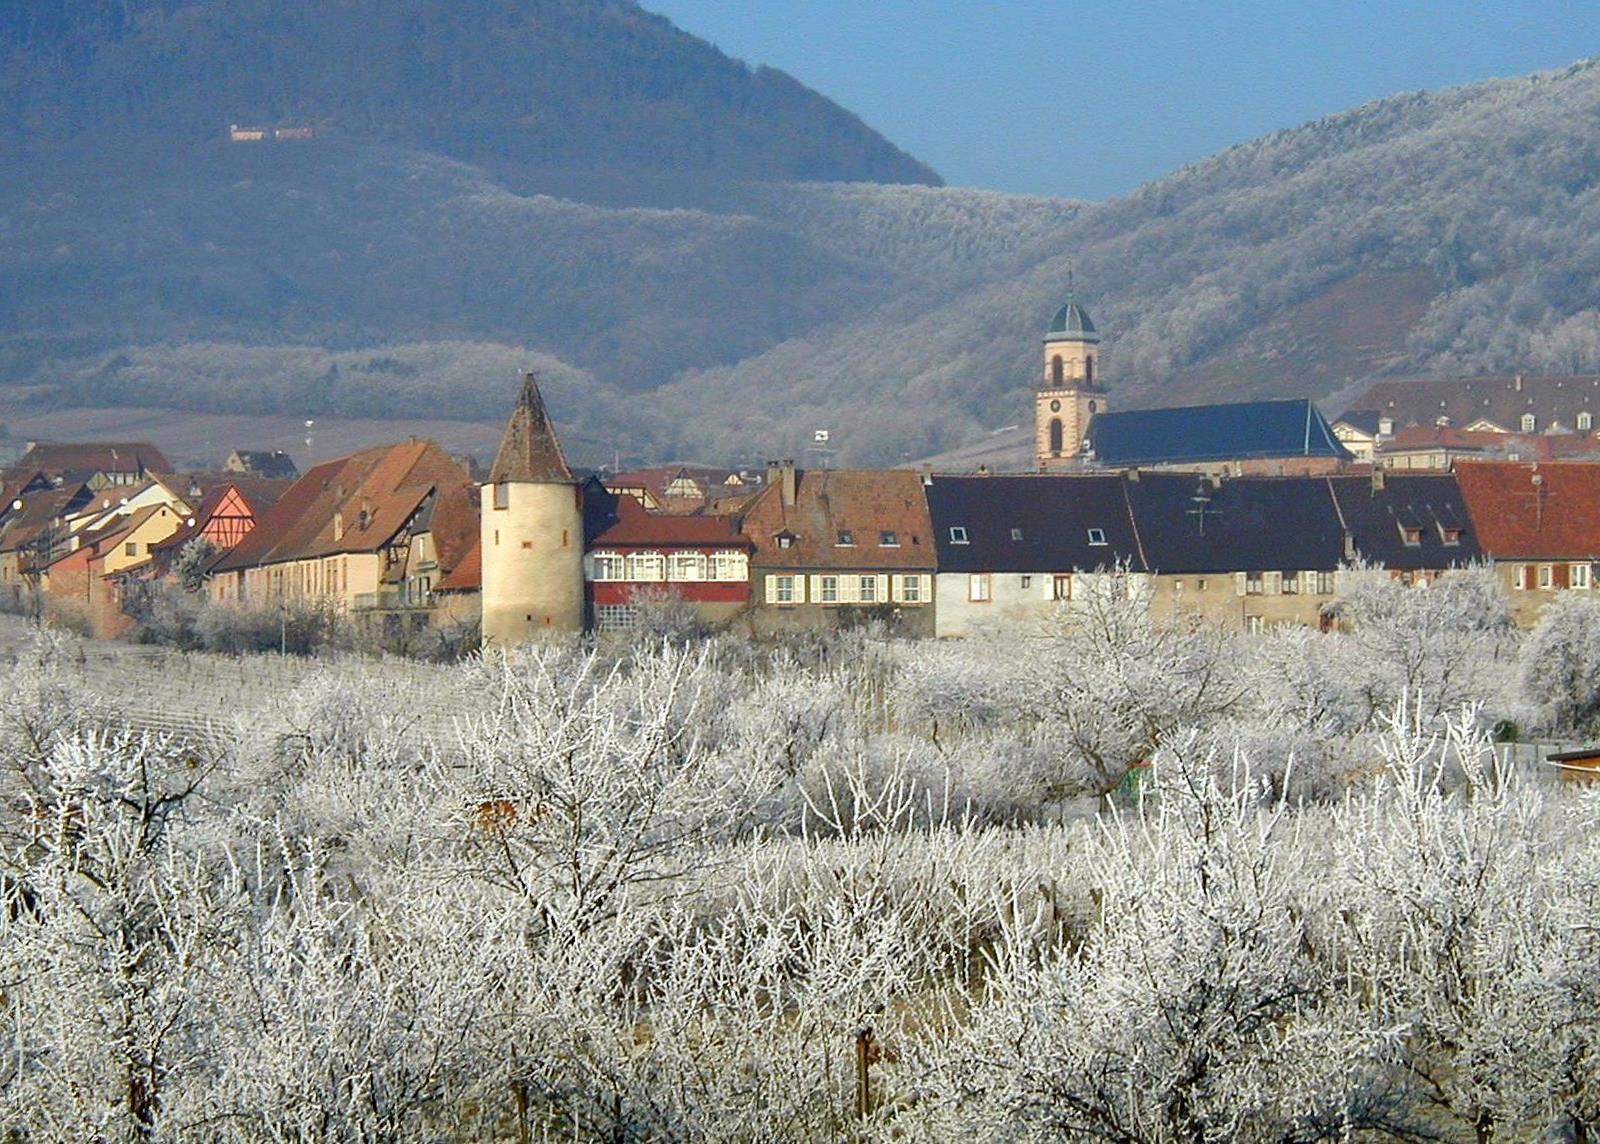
(1377, 479)
(983, 470)
(1516, 383)
(773, 468)
(927, 475)
(1349, 546)
(1133, 475)
(786, 475)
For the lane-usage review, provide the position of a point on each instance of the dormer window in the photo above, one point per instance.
(1097, 536)
(1016, 534)
(1411, 535)
(785, 539)
(958, 535)
(1585, 421)
(888, 539)
(1449, 534)
(847, 539)
(1528, 422)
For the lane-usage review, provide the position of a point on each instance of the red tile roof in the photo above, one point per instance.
(634, 526)
(95, 456)
(864, 503)
(467, 575)
(1545, 511)
(369, 495)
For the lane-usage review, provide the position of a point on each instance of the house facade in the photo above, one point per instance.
(832, 547)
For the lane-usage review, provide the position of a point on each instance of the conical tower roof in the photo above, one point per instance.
(529, 450)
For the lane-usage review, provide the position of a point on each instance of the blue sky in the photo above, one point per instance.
(1093, 98)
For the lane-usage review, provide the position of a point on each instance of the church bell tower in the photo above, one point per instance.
(1070, 393)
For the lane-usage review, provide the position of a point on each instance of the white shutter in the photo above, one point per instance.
(882, 593)
(816, 588)
(771, 582)
(849, 589)
(897, 589)
(1272, 583)
(1238, 583)
(925, 583)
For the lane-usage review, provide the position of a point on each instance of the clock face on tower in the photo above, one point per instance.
(1055, 407)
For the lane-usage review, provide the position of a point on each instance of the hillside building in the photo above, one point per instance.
(531, 533)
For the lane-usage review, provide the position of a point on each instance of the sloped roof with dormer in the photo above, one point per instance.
(1198, 434)
(529, 450)
(1033, 523)
(865, 504)
(358, 504)
(95, 457)
(1406, 521)
(1554, 403)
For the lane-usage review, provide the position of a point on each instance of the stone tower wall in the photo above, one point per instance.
(532, 562)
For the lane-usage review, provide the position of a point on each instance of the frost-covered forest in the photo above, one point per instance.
(1092, 879)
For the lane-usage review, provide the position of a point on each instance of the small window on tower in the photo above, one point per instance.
(502, 495)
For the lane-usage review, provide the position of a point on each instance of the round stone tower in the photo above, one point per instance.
(532, 532)
(1070, 393)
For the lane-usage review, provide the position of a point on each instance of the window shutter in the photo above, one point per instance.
(816, 587)
(1272, 584)
(1559, 576)
(926, 584)
(849, 589)
(1238, 583)
(897, 589)
(771, 582)
(882, 593)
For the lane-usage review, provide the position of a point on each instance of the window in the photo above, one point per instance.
(730, 566)
(1547, 577)
(978, 587)
(131, 548)
(888, 539)
(646, 566)
(958, 535)
(1097, 536)
(616, 617)
(1253, 584)
(1528, 422)
(1027, 582)
(911, 589)
(1578, 576)
(1412, 536)
(1585, 420)
(1200, 584)
(1088, 375)
(610, 566)
(1057, 370)
(869, 590)
(785, 539)
(1519, 577)
(829, 590)
(1057, 437)
(687, 566)
(1324, 583)
(502, 494)
(847, 539)
(783, 590)
(1291, 583)
(1062, 589)
(1016, 534)
(1449, 534)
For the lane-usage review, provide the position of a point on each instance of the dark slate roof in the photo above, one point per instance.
(1197, 433)
(1430, 503)
(1072, 321)
(1188, 523)
(1052, 513)
(1365, 420)
(529, 451)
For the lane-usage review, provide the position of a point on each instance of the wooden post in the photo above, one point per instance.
(865, 1055)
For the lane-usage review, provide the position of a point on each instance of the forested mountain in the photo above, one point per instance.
(576, 183)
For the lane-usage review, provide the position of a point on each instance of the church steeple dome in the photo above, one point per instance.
(1070, 392)
(1072, 323)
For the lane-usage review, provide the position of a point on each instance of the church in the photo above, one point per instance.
(1075, 429)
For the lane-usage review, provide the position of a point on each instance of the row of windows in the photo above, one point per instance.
(676, 566)
(1292, 583)
(851, 588)
(1544, 577)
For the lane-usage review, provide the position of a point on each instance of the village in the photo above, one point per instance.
(1244, 515)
